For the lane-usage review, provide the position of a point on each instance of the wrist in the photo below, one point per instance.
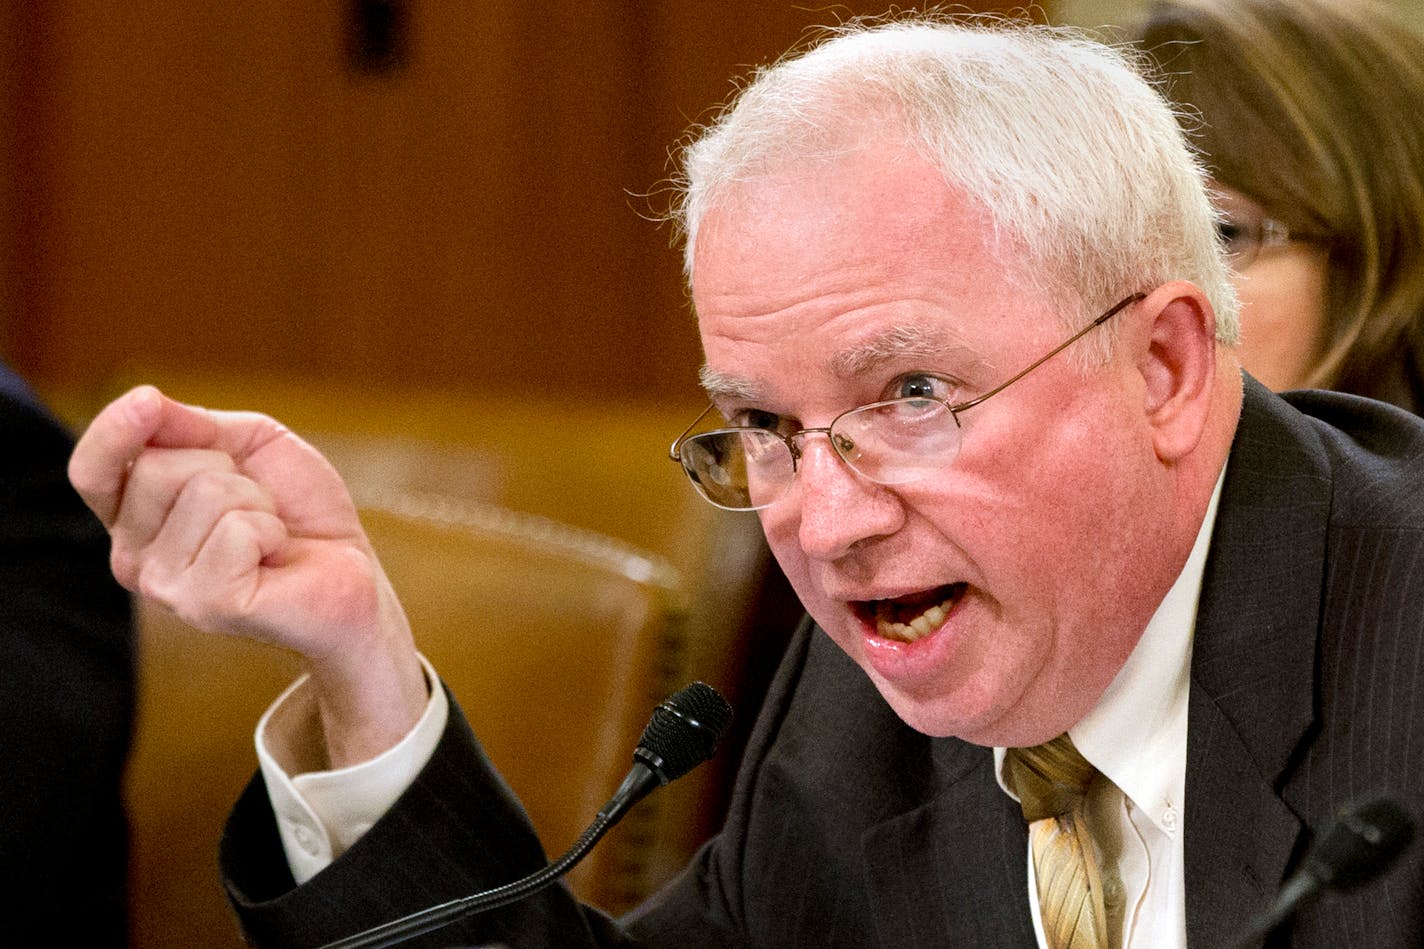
(370, 696)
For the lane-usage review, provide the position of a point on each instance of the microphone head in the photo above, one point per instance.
(1361, 844)
(683, 731)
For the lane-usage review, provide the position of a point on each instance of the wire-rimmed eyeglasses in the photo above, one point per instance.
(892, 442)
(1244, 229)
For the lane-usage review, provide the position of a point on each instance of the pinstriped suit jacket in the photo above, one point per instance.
(848, 829)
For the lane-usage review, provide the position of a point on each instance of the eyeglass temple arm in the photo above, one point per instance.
(677, 442)
(1051, 353)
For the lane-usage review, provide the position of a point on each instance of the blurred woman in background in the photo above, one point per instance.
(1310, 114)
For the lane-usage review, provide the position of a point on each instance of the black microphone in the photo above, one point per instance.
(1358, 847)
(681, 734)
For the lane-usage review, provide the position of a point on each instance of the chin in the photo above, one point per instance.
(990, 725)
(932, 717)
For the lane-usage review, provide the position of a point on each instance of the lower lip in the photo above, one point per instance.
(909, 663)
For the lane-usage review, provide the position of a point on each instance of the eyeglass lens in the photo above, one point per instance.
(1244, 228)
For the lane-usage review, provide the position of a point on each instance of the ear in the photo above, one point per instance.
(1176, 357)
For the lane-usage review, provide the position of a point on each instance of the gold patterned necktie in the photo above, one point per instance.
(1052, 781)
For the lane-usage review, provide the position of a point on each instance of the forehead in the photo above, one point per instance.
(876, 203)
(849, 263)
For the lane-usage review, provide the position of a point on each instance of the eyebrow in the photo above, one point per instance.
(898, 343)
(722, 385)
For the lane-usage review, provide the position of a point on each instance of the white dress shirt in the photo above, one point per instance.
(320, 814)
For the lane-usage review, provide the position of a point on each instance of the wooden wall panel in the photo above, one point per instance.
(214, 186)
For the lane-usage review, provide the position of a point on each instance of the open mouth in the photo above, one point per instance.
(911, 617)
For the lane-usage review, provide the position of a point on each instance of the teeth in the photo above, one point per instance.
(928, 621)
(924, 624)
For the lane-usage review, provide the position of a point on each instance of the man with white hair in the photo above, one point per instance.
(1100, 635)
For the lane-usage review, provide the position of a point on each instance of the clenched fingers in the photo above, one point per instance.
(217, 587)
(156, 555)
(153, 485)
(145, 418)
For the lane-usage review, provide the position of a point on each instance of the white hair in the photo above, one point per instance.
(1078, 161)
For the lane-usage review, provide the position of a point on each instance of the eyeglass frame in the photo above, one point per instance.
(953, 409)
(1272, 231)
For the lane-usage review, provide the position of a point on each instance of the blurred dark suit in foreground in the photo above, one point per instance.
(66, 695)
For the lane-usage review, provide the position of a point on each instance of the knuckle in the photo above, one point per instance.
(124, 565)
(148, 467)
(155, 584)
(232, 529)
(209, 488)
(80, 476)
(189, 603)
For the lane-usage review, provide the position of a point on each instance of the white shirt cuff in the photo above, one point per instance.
(320, 814)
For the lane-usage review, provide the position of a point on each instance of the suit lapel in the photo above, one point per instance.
(1253, 667)
(952, 872)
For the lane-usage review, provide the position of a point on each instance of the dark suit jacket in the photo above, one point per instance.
(848, 829)
(66, 695)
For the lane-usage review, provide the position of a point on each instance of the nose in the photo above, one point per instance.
(837, 507)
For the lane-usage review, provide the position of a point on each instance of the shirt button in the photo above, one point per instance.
(306, 839)
(1169, 820)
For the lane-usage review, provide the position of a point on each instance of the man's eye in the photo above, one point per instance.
(919, 387)
(755, 418)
